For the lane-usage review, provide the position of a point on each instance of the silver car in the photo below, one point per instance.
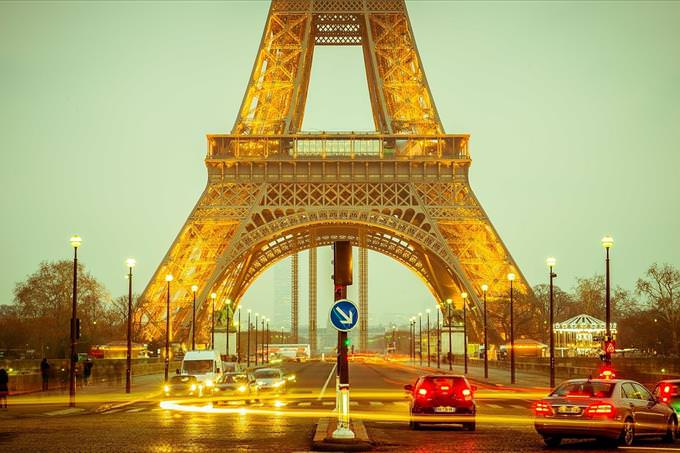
(615, 410)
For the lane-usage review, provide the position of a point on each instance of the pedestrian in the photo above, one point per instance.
(45, 373)
(87, 370)
(4, 388)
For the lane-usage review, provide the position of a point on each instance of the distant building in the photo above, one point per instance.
(581, 336)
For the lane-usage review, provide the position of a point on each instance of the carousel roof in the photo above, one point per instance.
(583, 321)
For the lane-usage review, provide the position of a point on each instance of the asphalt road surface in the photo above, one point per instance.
(286, 422)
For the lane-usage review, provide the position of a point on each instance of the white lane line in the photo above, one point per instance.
(71, 410)
(517, 406)
(495, 406)
(131, 411)
(113, 411)
(328, 403)
(354, 403)
(375, 403)
(330, 375)
(304, 404)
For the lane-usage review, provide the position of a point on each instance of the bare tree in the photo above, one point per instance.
(661, 287)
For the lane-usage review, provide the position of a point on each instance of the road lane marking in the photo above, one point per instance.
(354, 403)
(517, 406)
(328, 403)
(330, 375)
(305, 404)
(495, 406)
(131, 411)
(375, 403)
(70, 410)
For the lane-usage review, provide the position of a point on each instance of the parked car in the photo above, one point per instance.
(183, 385)
(442, 399)
(668, 392)
(613, 410)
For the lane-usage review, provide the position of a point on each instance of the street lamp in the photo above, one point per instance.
(256, 358)
(213, 296)
(607, 243)
(268, 339)
(420, 338)
(551, 264)
(168, 279)
(439, 338)
(228, 325)
(75, 334)
(449, 303)
(511, 279)
(248, 344)
(485, 288)
(194, 288)
(464, 296)
(428, 336)
(238, 336)
(128, 372)
(263, 340)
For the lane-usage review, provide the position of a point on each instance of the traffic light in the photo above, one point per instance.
(347, 342)
(342, 263)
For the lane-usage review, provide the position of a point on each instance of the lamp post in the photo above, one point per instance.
(168, 279)
(238, 336)
(428, 336)
(449, 316)
(256, 358)
(128, 358)
(485, 288)
(264, 340)
(75, 243)
(464, 296)
(439, 337)
(282, 334)
(194, 288)
(267, 338)
(511, 278)
(607, 243)
(213, 296)
(227, 308)
(551, 264)
(248, 344)
(420, 338)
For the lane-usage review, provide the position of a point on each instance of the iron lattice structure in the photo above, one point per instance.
(312, 300)
(273, 190)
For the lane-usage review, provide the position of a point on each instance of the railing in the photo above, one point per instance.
(338, 146)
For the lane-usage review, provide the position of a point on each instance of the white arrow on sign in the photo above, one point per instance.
(347, 317)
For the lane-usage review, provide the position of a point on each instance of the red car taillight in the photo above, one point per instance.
(541, 408)
(600, 409)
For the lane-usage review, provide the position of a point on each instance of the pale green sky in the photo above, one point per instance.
(573, 107)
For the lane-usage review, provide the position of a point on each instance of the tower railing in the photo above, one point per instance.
(338, 146)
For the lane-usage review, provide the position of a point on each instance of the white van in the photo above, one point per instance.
(205, 365)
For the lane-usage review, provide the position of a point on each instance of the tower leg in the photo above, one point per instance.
(294, 306)
(312, 300)
(363, 299)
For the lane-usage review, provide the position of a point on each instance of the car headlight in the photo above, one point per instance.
(166, 388)
(242, 388)
(279, 384)
(193, 387)
(291, 377)
(208, 383)
(259, 383)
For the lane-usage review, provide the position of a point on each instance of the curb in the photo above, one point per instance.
(323, 441)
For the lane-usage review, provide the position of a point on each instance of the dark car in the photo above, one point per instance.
(442, 399)
(668, 392)
(183, 385)
(612, 410)
(239, 385)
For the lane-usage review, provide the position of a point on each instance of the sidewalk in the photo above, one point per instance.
(498, 378)
(90, 399)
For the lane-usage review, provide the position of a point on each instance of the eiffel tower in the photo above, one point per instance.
(274, 190)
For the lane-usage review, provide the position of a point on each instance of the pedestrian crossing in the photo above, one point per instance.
(511, 406)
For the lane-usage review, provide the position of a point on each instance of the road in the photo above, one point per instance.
(286, 423)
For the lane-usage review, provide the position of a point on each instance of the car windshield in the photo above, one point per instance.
(182, 379)
(233, 379)
(444, 382)
(585, 389)
(267, 374)
(198, 366)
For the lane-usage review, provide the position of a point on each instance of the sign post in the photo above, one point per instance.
(343, 316)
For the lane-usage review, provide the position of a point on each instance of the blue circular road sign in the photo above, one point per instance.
(344, 315)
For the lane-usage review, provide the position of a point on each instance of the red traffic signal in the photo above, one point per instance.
(610, 347)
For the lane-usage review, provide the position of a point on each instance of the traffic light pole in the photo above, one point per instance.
(342, 277)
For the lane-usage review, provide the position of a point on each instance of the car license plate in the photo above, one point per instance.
(569, 410)
(448, 409)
